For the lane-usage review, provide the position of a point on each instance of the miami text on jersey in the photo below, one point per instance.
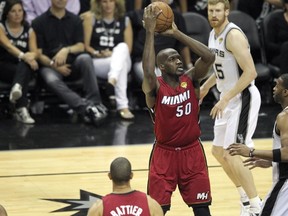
(177, 99)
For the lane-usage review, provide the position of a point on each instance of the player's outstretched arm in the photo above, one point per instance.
(149, 84)
(237, 43)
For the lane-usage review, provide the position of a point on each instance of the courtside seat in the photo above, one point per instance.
(265, 27)
(197, 27)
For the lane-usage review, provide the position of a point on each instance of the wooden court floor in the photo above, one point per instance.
(40, 182)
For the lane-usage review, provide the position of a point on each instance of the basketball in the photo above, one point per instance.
(165, 19)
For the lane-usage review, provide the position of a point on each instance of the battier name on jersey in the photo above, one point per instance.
(126, 210)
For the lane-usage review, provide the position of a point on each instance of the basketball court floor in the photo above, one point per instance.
(59, 166)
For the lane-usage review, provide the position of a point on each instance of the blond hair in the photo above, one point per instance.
(225, 2)
(97, 10)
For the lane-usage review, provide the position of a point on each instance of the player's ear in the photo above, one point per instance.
(161, 66)
(227, 11)
(109, 176)
(131, 175)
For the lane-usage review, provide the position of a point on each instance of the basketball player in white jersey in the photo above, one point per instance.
(236, 113)
(275, 203)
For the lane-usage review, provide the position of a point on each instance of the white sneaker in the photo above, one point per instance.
(23, 116)
(244, 208)
(254, 211)
(16, 93)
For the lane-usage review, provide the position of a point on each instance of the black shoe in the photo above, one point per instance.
(97, 114)
(110, 93)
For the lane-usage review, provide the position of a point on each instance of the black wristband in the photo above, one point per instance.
(251, 152)
(276, 155)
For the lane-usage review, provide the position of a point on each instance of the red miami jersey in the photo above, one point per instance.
(134, 203)
(176, 114)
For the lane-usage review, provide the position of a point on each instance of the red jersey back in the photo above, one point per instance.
(176, 114)
(134, 203)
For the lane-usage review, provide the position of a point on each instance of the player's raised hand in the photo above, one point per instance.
(149, 17)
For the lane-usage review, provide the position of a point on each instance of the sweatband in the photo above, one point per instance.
(276, 155)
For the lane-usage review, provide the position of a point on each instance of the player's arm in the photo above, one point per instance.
(207, 58)
(154, 207)
(282, 128)
(237, 43)
(96, 209)
(150, 83)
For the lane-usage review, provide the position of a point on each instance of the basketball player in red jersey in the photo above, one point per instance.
(178, 157)
(124, 200)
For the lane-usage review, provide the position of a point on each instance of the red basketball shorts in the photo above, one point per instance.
(185, 167)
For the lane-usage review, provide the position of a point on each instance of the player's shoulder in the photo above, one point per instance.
(283, 115)
(235, 38)
(96, 209)
(233, 30)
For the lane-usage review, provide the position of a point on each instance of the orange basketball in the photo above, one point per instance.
(165, 18)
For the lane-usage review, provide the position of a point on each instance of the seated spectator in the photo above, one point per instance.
(108, 37)
(60, 43)
(35, 8)
(277, 39)
(258, 8)
(161, 42)
(18, 53)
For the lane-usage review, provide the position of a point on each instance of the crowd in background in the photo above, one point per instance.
(103, 44)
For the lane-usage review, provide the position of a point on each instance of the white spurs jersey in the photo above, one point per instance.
(276, 145)
(225, 67)
(280, 169)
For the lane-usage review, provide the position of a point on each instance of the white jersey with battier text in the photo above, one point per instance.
(226, 68)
